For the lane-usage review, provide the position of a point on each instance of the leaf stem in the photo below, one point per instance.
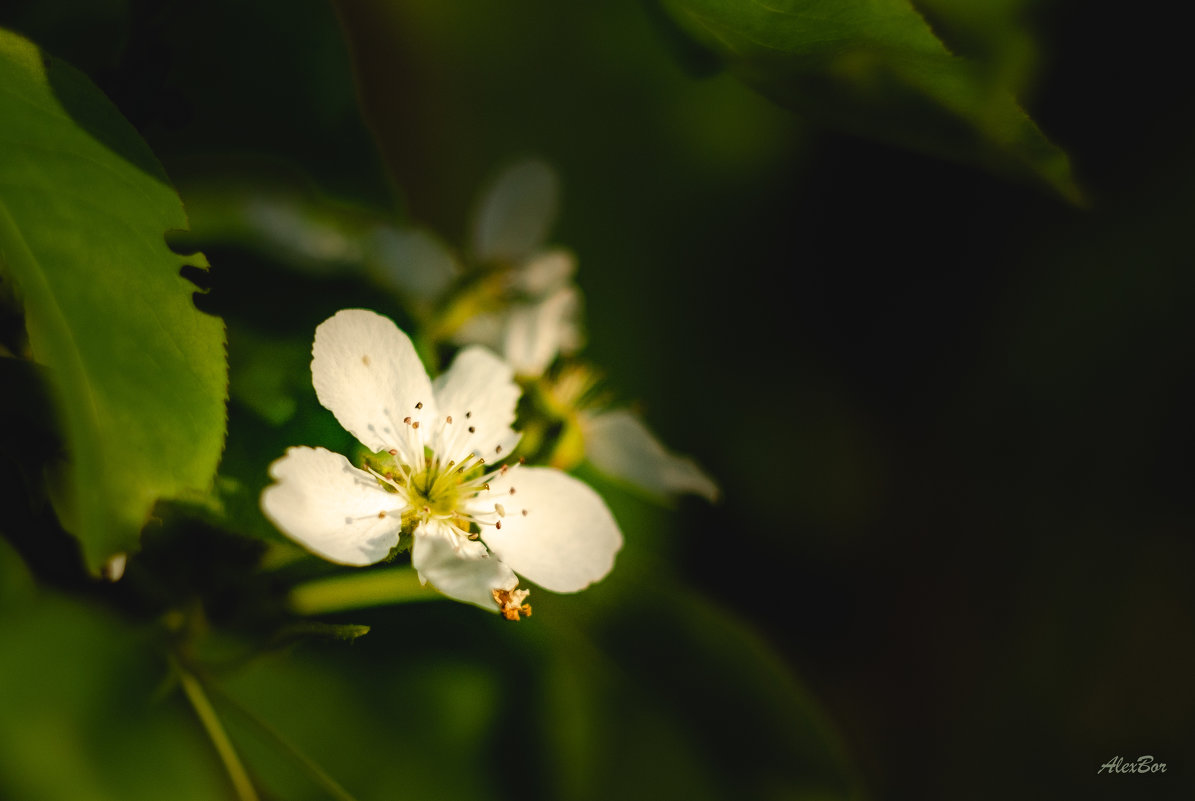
(337, 593)
(211, 724)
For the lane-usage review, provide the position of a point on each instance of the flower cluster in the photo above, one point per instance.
(447, 480)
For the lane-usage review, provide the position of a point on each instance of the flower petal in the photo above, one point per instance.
(618, 443)
(544, 273)
(515, 212)
(536, 333)
(479, 393)
(366, 372)
(459, 568)
(556, 531)
(413, 261)
(332, 508)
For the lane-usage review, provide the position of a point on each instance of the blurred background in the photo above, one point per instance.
(949, 412)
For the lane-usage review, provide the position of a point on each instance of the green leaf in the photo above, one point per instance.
(672, 696)
(875, 68)
(81, 719)
(138, 373)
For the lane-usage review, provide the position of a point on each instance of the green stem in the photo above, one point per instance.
(211, 723)
(397, 585)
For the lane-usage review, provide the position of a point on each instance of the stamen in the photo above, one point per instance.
(510, 603)
(419, 405)
(500, 510)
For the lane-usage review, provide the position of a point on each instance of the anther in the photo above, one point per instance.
(512, 490)
(498, 524)
(500, 510)
(522, 460)
(415, 424)
(381, 515)
(392, 452)
(472, 430)
(524, 513)
(498, 449)
(468, 415)
(474, 536)
(419, 405)
(407, 420)
(448, 419)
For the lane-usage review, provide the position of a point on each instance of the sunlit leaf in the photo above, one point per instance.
(138, 373)
(875, 68)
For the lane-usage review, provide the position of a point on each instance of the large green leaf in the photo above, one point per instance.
(876, 69)
(138, 373)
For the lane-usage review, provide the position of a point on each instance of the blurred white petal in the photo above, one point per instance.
(544, 272)
(536, 334)
(515, 212)
(618, 443)
(413, 261)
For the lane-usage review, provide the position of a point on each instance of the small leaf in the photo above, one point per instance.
(138, 373)
(875, 68)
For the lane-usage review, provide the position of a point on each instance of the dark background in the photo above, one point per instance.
(950, 414)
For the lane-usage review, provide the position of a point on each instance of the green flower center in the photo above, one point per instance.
(436, 491)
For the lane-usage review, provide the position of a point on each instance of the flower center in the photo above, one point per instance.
(435, 491)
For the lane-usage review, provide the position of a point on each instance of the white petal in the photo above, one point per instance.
(536, 333)
(483, 328)
(332, 508)
(567, 538)
(544, 273)
(412, 261)
(479, 393)
(459, 568)
(366, 372)
(619, 444)
(515, 212)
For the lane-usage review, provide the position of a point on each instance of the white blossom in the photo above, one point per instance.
(475, 519)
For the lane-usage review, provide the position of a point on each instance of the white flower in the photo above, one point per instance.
(542, 314)
(511, 224)
(473, 525)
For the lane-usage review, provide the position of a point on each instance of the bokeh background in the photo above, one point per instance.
(950, 413)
